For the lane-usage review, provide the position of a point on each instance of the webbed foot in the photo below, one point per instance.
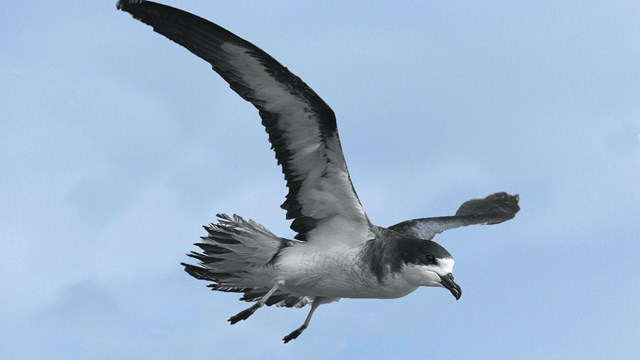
(244, 314)
(294, 334)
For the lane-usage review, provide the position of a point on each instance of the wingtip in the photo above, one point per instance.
(497, 207)
(124, 4)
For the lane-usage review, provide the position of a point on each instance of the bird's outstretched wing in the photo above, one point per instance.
(493, 209)
(301, 126)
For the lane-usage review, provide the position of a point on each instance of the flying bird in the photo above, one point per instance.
(337, 252)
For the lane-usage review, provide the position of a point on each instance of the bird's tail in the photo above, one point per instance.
(237, 256)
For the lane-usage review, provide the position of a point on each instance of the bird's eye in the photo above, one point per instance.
(430, 258)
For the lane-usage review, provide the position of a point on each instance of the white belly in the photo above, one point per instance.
(336, 275)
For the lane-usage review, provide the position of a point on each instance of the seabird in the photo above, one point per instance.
(337, 252)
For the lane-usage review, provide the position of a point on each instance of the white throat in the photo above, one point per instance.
(427, 275)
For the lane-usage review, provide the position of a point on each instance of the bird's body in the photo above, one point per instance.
(345, 273)
(338, 253)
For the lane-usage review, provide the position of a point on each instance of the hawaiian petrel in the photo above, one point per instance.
(337, 252)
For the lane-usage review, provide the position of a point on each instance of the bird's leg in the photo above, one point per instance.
(317, 301)
(244, 314)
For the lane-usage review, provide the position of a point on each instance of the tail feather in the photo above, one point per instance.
(237, 256)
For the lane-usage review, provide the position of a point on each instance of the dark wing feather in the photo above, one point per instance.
(301, 126)
(493, 209)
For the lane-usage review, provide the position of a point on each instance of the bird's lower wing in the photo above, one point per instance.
(493, 209)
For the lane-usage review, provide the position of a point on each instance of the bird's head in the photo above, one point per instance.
(426, 263)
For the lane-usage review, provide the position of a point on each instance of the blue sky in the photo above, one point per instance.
(116, 145)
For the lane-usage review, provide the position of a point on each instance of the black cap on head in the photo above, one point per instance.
(417, 251)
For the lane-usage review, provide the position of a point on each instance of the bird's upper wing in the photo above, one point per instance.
(301, 126)
(493, 209)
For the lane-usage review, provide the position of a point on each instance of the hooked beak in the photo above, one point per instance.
(447, 282)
